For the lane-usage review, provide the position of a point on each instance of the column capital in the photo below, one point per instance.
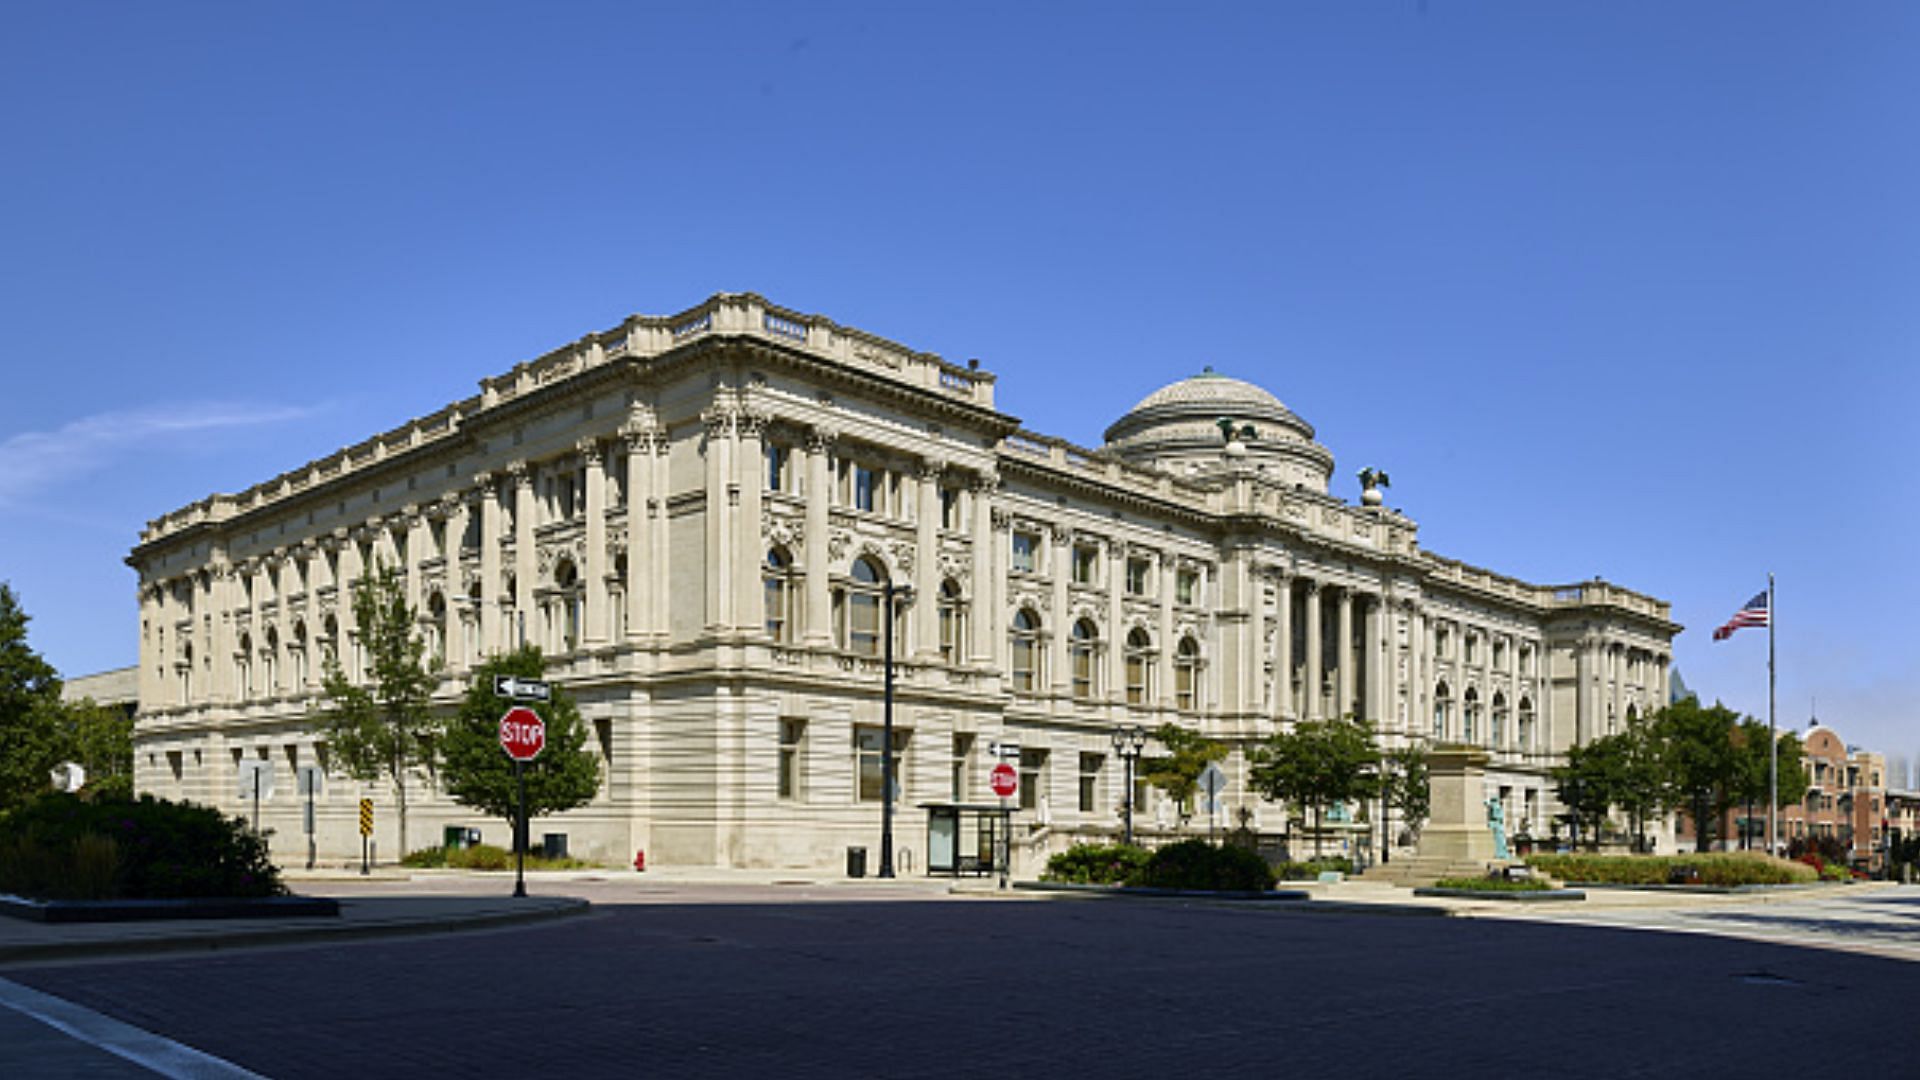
(931, 468)
(718, 420)
(752, 423)
(820, 439)
(521, 475)
(985, 482)
(589, 449)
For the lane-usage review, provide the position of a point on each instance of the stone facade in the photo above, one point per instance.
(693, 515)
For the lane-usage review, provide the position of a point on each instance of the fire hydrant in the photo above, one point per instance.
(640, 859)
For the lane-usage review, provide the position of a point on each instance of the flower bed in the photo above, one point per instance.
(1725, 869)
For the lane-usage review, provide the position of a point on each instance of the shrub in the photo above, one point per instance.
(1494, 884)
(63, 847)
(1196, 864)
(1722, 868)
(484, 857)
(431, 858)
(1311, 869)
(1096, 864)
(479, 857)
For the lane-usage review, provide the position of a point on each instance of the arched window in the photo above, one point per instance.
(1139, 666)
(1442, 711)
(243, 668)
(1471, 715)
(1524, 734)
(859, 603)
(778, 578)
(566, 578)
(270, 663)
(330, 641)
(1080, 652)
(1024, 634)
(437, 629)
(953, 622)
(1499, 720)
(1186, 675)
(299, 654)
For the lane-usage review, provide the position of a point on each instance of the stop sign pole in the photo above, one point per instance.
(522, 735)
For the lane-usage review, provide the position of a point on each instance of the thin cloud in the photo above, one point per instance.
(33, 461)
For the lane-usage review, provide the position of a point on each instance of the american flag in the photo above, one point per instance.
(1754, 614)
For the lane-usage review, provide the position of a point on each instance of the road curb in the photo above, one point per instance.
(256, 936)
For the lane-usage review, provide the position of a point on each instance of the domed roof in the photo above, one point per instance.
(1215, 391)
(1179, 426)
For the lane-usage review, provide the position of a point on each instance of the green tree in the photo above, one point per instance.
(1750, 779)
(100, 738)
(1404, 786)
(32, 741)
(477, 773)
(382, 726)
(1641, 786)
(1317, 764)
(1177, 772)
(1702, 762)
(1588, 782)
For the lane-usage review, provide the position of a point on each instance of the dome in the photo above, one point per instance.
(1178, 427)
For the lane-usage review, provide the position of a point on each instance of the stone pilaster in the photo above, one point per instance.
(594, 573)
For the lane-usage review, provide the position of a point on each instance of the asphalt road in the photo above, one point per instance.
(921, 987)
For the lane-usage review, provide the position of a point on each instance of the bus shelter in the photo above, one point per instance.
(968, 839)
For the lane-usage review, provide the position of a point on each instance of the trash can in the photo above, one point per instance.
(553, 845)
(856, 862)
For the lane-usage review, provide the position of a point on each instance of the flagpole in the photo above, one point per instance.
(1773, 739)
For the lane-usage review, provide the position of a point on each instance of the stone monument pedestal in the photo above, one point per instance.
(1457, 841)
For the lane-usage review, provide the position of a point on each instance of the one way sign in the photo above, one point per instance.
(521, 689)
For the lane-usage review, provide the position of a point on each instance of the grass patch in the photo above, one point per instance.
(485, 857)
(1501, 885)
(1718, 868)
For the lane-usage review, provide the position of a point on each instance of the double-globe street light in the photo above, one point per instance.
(1128, 741)
(891, 594)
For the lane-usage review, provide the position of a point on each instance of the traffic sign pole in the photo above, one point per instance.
(520, 830)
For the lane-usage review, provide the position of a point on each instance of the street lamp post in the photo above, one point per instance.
(1128, 741)
(889, 593)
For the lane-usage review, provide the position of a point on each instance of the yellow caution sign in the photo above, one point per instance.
(366, 817)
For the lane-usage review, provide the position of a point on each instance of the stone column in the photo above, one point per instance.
(717, 452)
(924, 617)
(1061, 541)
(987, 576)
(1283, 708)
(524, 629)
(1374, 644)
(1001, 556)
(818, 613)
(1419, 673)
(1344, 684)
(1316, 674)
(1116, 635)
(1583, 697)
(1486, 689)
(352, 568)
(1617, 669)
(454, 507)
(638, 441)
(415, 525)
(1163, 661)
(594, 573)
(489, 613)
(745, 493)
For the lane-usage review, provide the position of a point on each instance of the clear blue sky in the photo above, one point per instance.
(1616, 289)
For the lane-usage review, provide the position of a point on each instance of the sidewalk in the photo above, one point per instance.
(23, 942)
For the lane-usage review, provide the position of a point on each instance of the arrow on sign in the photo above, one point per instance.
(520, 689)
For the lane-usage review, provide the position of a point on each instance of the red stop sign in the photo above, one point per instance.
(1005, 781)
(522, 733)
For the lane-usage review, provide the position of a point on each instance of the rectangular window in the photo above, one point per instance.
(1090, 782)
(1086, 564)
(1473, 648)
(866, 746)
(1033, 775)
(1026, 548)
(863, 488)
(950, 509)
(1137, 571)
(779, 464)
(1187, 587)
(792, 738)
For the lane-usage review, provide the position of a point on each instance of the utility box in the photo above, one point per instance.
(553, 845)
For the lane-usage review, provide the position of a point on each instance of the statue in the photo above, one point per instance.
(1497, 819)
(1371, 481)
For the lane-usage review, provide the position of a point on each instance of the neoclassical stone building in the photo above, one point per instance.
(695, 515)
